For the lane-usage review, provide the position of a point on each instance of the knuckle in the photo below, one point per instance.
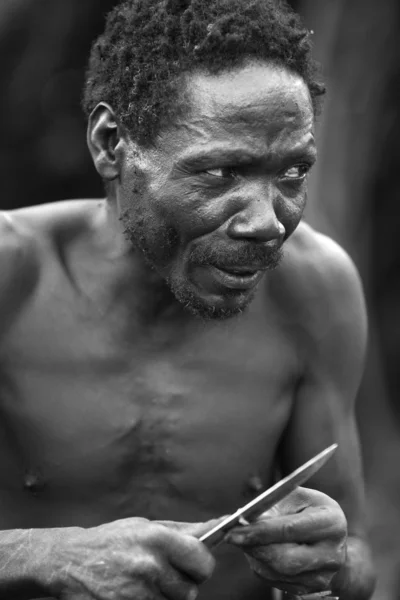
(137, 525)
(341, 526)
(288, 530)
(335, 561)
(338, 517)
(339, 520)
(146, 566)
(158, 533)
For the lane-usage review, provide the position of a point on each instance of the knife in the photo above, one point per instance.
(270, 497)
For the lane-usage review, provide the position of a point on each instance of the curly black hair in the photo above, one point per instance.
(137, 63)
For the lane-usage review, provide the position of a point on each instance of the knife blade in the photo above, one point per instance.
(270, 497)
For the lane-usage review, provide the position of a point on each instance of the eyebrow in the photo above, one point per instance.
(240, 156)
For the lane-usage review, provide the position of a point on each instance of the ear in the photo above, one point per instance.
(105, 141)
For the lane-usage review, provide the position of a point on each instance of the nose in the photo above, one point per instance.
(257, 220)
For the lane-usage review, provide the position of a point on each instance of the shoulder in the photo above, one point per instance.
(320, 290)
(320, 261)
(30, 239)
(19, 266)
(17, 251)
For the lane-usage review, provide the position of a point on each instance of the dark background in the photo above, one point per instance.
(354, 191)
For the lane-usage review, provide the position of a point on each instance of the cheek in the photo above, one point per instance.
(191, 213)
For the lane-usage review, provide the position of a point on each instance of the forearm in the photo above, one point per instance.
(25, 557)
(356, 579)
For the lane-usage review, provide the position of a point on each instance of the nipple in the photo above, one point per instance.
(254, 486)
(33, 482)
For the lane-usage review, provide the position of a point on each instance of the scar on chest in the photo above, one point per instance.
(34, 482)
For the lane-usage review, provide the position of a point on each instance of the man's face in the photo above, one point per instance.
(211, 205)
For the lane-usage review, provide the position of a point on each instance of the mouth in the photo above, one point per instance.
(240, 278)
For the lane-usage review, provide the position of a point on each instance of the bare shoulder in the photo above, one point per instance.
(322, 261)
(318, 287)
(28, 239)
(17, 255)
(19, 269)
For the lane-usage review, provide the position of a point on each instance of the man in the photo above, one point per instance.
(156, 371)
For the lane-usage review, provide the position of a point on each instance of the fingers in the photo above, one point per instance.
(154, 577)
(302, 498)
(291, 560)
(174, 586)
(189, 556)
(289, 576)
(309, 526)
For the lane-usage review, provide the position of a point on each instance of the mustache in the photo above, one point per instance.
(242, 254)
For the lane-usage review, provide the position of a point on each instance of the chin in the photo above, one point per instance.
(212, 308)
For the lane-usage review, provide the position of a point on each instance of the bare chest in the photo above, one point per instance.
(180, 429)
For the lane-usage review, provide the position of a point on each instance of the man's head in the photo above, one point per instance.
(204, 122)
(136, 66)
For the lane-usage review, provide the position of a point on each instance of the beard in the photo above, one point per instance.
(234, 304)
(241, 254)
(159, 245)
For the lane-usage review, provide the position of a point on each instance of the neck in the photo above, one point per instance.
(132, 281)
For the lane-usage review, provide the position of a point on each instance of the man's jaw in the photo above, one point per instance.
(211, 294)
(211, 307)
(216, 286)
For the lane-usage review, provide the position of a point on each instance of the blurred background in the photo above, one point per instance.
(354, 191)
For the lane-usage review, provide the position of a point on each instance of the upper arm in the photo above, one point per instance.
(333, 348)
(18, 270)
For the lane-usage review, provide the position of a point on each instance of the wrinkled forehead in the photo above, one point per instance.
(259, 103)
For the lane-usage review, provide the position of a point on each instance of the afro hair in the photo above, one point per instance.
(148, 45)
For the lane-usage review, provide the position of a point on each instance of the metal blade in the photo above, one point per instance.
(270, 497)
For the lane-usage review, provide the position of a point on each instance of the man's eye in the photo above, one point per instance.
(222, 172)
(297, 172)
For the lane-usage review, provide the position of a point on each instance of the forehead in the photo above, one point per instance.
(260, 105)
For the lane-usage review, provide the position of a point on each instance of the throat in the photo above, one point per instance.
(143, 290)
(156, 300)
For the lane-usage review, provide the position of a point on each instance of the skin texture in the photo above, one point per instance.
(210, 191)
(128, 423)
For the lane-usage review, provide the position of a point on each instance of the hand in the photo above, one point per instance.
(298, 545)
(130, 558)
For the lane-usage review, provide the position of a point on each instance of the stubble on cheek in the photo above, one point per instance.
(144, 225)
(158, 243)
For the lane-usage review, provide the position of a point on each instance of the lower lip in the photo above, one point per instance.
(236, 281)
